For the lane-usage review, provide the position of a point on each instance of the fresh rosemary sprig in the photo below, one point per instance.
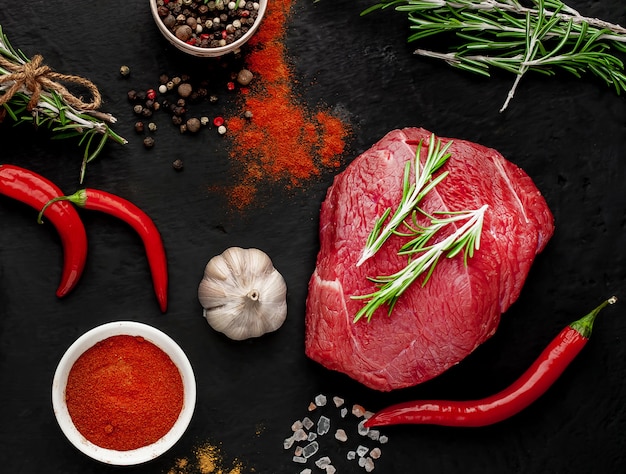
(53, 111)
(508, 35)
(424, 256)
(422, 253)
(412, 194)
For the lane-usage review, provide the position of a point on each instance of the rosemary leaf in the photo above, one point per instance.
(544, 37)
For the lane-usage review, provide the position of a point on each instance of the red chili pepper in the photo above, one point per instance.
(96, 200)
(35, 190)
(531, 385)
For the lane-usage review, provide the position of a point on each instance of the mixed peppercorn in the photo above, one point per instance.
(208, 24)
(177, 95)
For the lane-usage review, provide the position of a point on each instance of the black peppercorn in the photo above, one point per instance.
(139, 127)
(148, 142)
(177, 165)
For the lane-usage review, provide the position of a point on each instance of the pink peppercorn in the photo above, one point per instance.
(218, 121)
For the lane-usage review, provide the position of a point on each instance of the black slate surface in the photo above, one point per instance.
(569, 136)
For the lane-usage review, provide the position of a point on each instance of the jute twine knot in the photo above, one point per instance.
(35, 77)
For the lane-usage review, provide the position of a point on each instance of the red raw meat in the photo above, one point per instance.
(435, 326)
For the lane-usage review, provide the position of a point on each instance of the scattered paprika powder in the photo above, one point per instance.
(124, 393)
(281, 141)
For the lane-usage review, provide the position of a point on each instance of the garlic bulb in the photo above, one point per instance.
(242, 294)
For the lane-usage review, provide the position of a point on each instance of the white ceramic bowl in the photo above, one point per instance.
(86, 341)
(207, 52)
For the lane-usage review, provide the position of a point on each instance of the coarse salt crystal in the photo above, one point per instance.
(300, 435)
(331, 469)
(358, 410)
(298, 451)
(297, 425)
(338, 401)
(323, 462)
(382, 439)
(362, 450)
(351, 455)
(368, 465)
(299, 459)
(320, 400)
(344, 412)
(288, 443)
(307, 423)
(375, 453)
(312, 436)
(373, 434)
(306, 471)
(310, 449)
(323, 425)
(362, 429)
(341, 435)
(312, 406)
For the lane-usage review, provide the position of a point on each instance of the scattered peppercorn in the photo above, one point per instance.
(177, 165)
(148, 142)
(125, 71)
(193, 125)
(139, 127)
(152, 126)
(244, 77)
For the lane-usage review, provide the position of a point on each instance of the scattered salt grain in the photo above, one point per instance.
(362, 450)
(310, 449)
(312, 406)
(320, 400)
(306, 471)
(373, 434)
(307, 423)
(323, 462)
(297, 425)
(341, 435)
(330, 469)
(375, 453)
(351, 456)
(323, 425)
(362, 429)
(368, 465)
(300, 435)
(312, 436)
(338, 401)
(288, 443)
(358, 410)
(361, 462)
(344, 412)
(299, 459)
(382, 439)
(298, 451)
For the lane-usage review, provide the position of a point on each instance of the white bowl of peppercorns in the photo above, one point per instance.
(208, 28)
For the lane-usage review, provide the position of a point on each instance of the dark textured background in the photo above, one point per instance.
(569, 135)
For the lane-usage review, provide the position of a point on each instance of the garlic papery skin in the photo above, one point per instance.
(242, 294)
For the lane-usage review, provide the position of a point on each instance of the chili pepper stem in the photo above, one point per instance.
(78, 198)
(585, 324)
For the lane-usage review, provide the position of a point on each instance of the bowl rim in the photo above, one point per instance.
(207, 52)
(86, 341)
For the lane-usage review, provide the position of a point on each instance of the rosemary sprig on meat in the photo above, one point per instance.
(518, 36)
(422, 249)
(412, 194)
(31, 93)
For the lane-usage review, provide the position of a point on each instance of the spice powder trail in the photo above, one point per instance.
(282, 142)
(124, 393)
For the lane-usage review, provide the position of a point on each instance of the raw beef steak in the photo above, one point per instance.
(435, 326)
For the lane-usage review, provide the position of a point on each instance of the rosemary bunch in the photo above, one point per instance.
(51, 107)
(422, 250)
(518, 36)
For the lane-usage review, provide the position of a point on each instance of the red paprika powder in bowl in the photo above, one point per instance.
(124, 393)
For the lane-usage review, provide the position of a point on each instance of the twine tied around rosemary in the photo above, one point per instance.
(36, 77)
